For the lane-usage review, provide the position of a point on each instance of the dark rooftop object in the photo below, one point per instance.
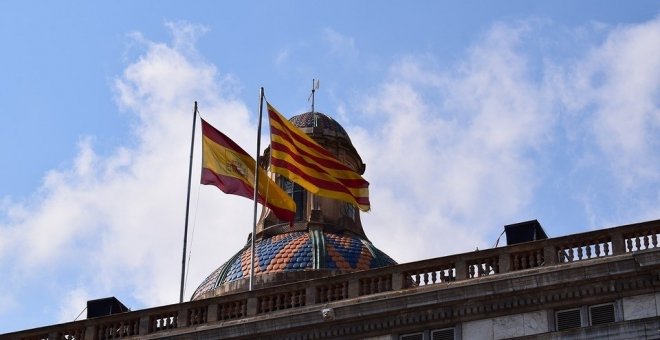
(524, 232)
(105, 306)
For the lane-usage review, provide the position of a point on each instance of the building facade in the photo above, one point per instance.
(321, 278)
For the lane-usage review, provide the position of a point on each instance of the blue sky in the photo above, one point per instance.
(469, 115)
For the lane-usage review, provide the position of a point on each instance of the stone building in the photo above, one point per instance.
(322, 278)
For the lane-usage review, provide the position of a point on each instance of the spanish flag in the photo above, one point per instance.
(228, 167)
(299, 158)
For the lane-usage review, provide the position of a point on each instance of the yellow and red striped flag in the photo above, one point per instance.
(227, 166)
(299, 158)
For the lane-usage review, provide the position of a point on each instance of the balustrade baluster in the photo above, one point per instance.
(516, 262)
(266, 307)
(654, 239)
(606, 248)
(538, 259)
(325, 293)
(571, 254)
(637, 243)
(647, 240)
(588, 251)
(471, 271)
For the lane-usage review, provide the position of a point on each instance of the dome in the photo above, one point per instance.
(326, 237)
(327, 125)
(295, 252)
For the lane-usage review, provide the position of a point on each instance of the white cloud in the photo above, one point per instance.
(75, 308)
(338, 43)
(621, 79)
(282, 56)
(450, 153)
(613, 116)
(457, 154)
(125, 212)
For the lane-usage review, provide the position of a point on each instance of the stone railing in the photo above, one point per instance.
(415, 275)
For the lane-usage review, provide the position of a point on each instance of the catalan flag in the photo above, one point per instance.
(299, 158)
(228, 167)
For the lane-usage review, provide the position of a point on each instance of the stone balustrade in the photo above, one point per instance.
(321, 291)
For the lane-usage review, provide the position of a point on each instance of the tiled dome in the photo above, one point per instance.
(325, 240)
(318, 119)
(295, 251)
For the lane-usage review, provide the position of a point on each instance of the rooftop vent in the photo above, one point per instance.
(105, 306)
(524, 232)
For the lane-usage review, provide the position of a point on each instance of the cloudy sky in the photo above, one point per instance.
(469, 115)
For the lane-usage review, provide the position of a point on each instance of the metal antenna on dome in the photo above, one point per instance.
(315, 86)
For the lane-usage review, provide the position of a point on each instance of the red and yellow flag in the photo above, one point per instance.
(299, 158)
(228, 167)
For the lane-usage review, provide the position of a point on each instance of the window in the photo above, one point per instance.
(412, 336)
(569, 318)
(600, 314)
(585, 316)
(443, 334)
(348, 210)
(297, 193)
(435, 334)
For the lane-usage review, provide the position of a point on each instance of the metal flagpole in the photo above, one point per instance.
(256, 187)
(185, 229)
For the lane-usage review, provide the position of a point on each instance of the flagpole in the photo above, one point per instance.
(185, 229)
(256, 187)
